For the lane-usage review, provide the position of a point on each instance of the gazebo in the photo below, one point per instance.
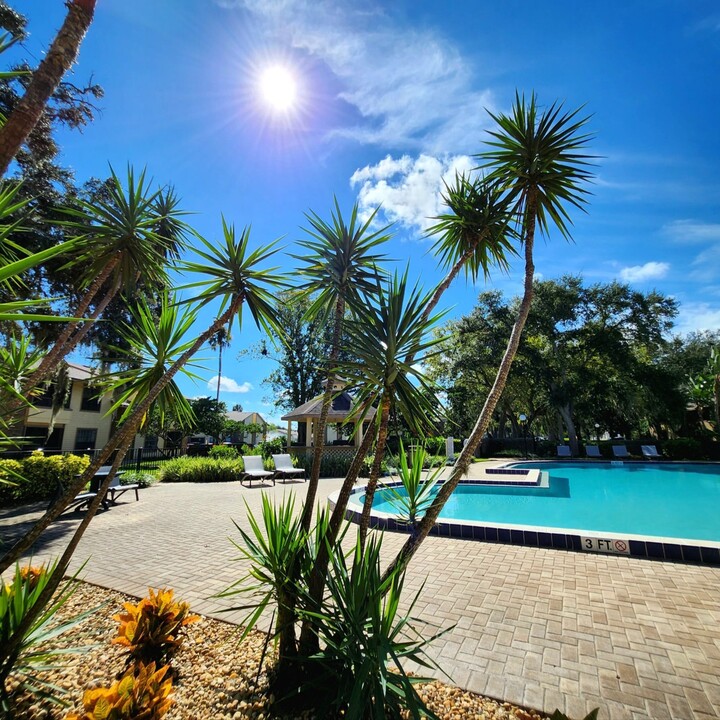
(340, 414)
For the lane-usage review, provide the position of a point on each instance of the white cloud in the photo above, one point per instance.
(697, 317)
(229, 385)
(411, 88)
(408, 189)
(641, 273)
(691, 231)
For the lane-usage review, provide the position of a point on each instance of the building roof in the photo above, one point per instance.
(244, 417)
(339, 410)
(76, 371)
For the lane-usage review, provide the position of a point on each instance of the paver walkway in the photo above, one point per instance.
(543, 628)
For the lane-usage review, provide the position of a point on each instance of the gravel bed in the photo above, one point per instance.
(217, 677)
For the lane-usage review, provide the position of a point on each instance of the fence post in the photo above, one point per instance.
(139, 459)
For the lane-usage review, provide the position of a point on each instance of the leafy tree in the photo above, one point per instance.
(209, 417)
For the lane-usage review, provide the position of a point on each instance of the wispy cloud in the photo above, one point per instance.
(411, 88)
(642, 273)
(408, 190)
(697, 317)
(229, 385)
(692, 231)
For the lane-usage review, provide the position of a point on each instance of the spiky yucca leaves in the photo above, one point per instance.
(539, 159)
(474, 235)
(365, 640)
(150, 629)
(143, 693)
(157, 336)
(386, 337)
(417, 493)
(32, 655)
(341, 268)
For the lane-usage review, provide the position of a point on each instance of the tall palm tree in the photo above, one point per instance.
(57, 61)
(340, 268)
(537, 158)
(219, 342)
(232, 276)
(124, 238)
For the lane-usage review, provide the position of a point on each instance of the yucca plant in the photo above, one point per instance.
(358, 673)
(150, 629)
(411, 504)
(31, 657)
(143, 693)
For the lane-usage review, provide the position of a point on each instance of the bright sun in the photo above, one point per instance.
(279, 88)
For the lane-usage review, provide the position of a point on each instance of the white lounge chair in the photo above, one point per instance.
(650, 452)
(592, 451)
(620, 451)
(254, 470)
(563, 451)
(285, 469)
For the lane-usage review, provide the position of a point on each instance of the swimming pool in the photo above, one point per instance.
(648, 509)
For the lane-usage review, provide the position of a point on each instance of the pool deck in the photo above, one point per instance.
(539, 627)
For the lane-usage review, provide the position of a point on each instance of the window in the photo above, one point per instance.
(46, 399)
(90, 399)
(85, 438)
(151, 442)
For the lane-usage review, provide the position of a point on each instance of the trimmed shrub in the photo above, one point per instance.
(683, 449)
(330, 465)
(200, 470)
(276, 446)
(223, 452)
(141, 479)
(40, 475)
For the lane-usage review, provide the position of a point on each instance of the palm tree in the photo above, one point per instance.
(537, 159)
(235, 280)
(219, 341)
(124, 238)
(340, 269)
(57, 61)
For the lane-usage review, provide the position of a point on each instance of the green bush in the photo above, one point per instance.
(141, 479)
(223, 452)
(330, 465)
(40, 475)
(276, 446)
(683, 449)
(200, 470)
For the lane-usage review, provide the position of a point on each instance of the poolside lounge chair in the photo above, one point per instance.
(254, 470)
(650, 452)
(284, 468)
(620, 451)
(592, 451)
(563, 451)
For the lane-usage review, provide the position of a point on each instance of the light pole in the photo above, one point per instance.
(597, 432)
(523, 419)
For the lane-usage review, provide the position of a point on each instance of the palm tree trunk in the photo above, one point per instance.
(45, 79)
(126, 432)
(63, 345)
(316, 583)
(375, 470)
(322, 420)
(465, 458)
(220, 349)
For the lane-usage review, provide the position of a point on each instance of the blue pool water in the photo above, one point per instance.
(662, 500)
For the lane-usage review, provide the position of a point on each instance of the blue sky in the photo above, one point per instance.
(392, 97)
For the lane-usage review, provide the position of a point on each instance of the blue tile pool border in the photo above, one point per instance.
(647, 547)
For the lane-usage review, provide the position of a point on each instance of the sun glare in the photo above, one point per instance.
(279, 88)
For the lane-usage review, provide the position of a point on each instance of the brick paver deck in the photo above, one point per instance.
(543, 628)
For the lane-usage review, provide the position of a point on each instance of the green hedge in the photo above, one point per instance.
(39, 475)
(683, 449)
(200, 470)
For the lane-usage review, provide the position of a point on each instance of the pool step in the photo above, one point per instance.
(508, 476)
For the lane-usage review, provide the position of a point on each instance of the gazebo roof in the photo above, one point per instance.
(339, 410)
